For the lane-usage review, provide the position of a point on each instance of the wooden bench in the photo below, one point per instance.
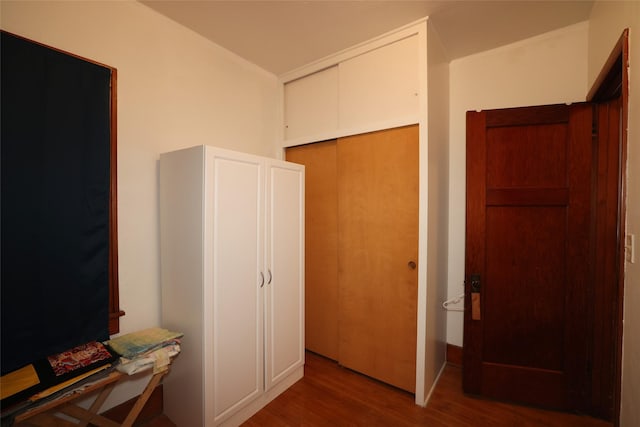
(45, 415)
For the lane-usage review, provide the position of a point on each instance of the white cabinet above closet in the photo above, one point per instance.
(380, 85)
(311, 104)
(371, 88)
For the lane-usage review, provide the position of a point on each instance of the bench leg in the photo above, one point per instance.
(142, 400)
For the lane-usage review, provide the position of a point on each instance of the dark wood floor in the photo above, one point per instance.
(329, 395)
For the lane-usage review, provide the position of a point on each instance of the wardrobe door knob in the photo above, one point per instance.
(412, 265)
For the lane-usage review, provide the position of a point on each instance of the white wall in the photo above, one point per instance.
(547, 69)
(606, 23)
(175, 89)
(437, 204)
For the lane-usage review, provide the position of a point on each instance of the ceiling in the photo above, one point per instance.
(281, 36)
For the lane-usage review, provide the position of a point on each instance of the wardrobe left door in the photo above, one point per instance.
(235, 183)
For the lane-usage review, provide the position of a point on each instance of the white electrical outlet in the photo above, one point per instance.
(630, 248)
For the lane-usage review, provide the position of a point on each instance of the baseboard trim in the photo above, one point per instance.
(435, 383)
(151, 409)
(454, 354)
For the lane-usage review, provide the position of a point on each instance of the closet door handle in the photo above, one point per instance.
(261, 279)
(412, 265)
(270, 277)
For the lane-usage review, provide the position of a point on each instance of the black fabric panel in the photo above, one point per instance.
(54, 201)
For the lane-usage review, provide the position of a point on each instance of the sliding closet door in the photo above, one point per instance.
(377, 254)
(321, 245)
(361, 251)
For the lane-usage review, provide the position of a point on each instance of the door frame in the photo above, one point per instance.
(613, 82)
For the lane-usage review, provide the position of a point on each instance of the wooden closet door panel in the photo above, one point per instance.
(377, 253)
(321, 245)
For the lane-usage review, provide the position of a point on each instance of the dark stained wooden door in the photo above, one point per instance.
(529, 239)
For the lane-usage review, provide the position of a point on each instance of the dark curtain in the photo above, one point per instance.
(55, 129)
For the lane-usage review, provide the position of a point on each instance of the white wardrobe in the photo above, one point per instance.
(232, 273)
